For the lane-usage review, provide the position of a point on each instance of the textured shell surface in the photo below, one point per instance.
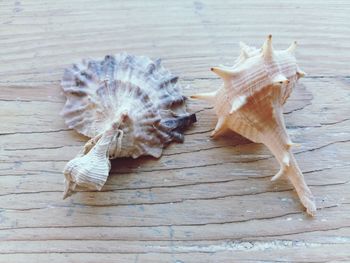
(128, 105)
(250, 103)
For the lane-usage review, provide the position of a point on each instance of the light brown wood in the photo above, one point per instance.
(204, 200)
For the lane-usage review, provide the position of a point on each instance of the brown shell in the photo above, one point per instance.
(250, 103)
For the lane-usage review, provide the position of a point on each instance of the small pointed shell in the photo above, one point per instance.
(250, 103)
(89, 170)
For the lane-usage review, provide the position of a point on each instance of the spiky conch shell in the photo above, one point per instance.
(128, 106)
(250, 103)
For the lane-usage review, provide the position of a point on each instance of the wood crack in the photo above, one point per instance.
(38, 148)
(34, 132)
(183, 200)
(336, 122)
(177, 225)
(247, 238)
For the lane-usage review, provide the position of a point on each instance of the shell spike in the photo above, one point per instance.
(291, 144)
(243, 45)
(284, 166)
(296, 177)
(209, 96)
(69, 188)
(223, 73)
(157, 62)
(267, 49)
(244, 49)
(279, 174)
(286, 159)
(244, 55)
(237, 103)
(292, 47)
(280, 79)
(300, 73)
(220, 126)
(290, 169)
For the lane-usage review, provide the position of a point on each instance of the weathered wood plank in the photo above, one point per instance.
(332, 227)
(325, 253)
(190, 36)
(204, 200)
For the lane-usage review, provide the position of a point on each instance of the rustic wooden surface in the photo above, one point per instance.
(203, 201)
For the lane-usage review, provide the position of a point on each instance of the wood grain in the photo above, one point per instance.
(204, 200)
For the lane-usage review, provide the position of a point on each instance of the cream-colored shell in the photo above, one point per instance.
(250, 103)
(128, 105)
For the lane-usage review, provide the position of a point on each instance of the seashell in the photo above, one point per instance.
(128, 105)
(250, 103)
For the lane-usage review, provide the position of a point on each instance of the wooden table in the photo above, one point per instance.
(204, 200)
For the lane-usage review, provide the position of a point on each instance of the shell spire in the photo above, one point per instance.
(128, 105)
(251, 105)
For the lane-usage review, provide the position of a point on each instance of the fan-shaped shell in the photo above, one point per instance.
(250, 103)
(133, 98)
